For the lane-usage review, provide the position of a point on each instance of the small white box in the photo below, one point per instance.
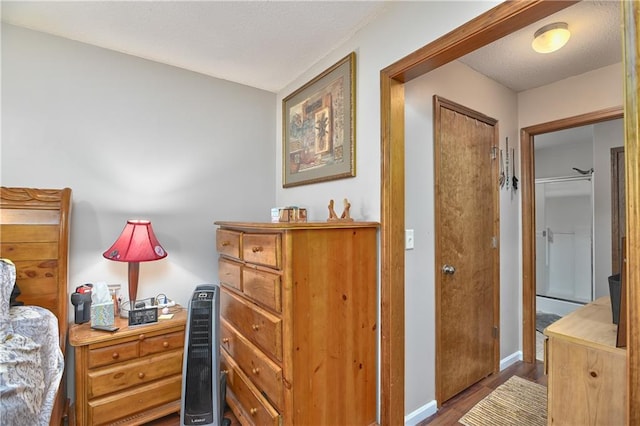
(275, 214)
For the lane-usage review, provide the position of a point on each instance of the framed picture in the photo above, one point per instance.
(319, 127)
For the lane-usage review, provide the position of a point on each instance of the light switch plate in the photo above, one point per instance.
(408, 239)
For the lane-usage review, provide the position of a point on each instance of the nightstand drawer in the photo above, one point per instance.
(259, 326)
(163, 343)
(263, 287)
(228, 243)
(255, 408)
(112, 354)
(122, 376)
(229, 273)
(261, 249)
(264, 373)
(128, 403)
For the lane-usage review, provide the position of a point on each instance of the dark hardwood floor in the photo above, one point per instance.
(452, 410)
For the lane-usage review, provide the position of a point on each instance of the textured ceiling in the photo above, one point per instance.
(263, 44)
(268, 44)
(595, 42)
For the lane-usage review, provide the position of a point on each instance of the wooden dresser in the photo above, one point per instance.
(587, 372)
(130, 376)
(298, 321)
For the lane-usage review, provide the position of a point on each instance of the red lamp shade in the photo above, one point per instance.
(137, 243)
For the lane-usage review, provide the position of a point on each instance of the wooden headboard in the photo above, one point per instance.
(34, 235)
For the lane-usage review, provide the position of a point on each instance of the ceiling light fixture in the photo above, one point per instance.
(551, 37)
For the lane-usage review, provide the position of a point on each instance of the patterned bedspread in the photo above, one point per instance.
(31, 362)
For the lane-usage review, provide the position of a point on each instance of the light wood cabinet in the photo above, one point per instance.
(298, 321)
(130, 376)
(587, 372)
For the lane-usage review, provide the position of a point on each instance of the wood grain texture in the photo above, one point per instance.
(34, 234)
(587, 374)
(631, 25)
(131, 376)
(503, 19)
(299, 339)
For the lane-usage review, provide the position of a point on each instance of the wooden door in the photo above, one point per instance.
(618, 221)
(467, 253)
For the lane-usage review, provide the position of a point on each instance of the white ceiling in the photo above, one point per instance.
(268, 44)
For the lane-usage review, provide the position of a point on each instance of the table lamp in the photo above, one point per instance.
(137, 243)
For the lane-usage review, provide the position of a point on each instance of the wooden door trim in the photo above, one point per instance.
(616, 220)
(527, 185)
(502, 20)
(631, 55)
(438, 103)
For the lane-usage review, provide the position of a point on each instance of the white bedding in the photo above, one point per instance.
(31, 362)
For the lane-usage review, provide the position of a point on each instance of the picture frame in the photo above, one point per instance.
(318, 127)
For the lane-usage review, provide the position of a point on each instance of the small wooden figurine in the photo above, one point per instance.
(345, 217)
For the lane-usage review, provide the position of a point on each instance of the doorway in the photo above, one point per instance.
(496, 23)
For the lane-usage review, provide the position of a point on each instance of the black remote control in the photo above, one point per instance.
(105, 327)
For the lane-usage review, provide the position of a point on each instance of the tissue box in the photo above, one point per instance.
(102, 314)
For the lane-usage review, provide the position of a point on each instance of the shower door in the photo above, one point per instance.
(564, 238)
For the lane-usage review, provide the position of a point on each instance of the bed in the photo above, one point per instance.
(34, 246)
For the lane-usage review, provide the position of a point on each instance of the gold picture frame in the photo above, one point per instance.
(318, 127)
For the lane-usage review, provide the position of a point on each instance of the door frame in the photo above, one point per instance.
(440, 102)
(527, 172)
(490, 26)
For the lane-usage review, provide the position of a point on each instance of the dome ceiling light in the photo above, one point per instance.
(551, 37)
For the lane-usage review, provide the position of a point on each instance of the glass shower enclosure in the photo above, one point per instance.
(564, 238)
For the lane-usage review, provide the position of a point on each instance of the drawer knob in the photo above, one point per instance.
(165, 344)
(225, 340)
(253, 411)
(140, 375)
(141, 337)
(115, 355)
(255, 370)
(256, 249)
(225, 243)
(255, 327)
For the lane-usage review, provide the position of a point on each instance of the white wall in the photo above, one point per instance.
(135, 139)
(402, 28)
(461, 84)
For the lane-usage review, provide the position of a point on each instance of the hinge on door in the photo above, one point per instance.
(494, 152)
(494, 242)
(495, 332)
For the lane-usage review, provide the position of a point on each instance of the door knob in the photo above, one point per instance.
(448, 269)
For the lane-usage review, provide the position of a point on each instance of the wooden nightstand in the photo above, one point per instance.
(130, 376)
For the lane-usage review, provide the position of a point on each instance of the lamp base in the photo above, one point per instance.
(125, 307)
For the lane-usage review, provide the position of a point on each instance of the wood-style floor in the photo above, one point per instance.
(452, 410)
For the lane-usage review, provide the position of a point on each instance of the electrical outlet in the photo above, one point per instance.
(408, 239)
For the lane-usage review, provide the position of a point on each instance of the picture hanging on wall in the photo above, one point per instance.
(319, 127)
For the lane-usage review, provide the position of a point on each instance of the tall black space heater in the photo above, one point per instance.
(202, 387)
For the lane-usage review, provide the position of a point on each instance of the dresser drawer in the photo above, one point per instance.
(258, 325)
(263, 287)
(229, 273)
(255, 408)
(264, 373)
(113, 354)
(163, 343)
(261, 249)
(118, 406)
(228, 243)
(122, 376)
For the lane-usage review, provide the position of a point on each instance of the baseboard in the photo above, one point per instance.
(427, 410)
(510, 360)
(431, 408)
